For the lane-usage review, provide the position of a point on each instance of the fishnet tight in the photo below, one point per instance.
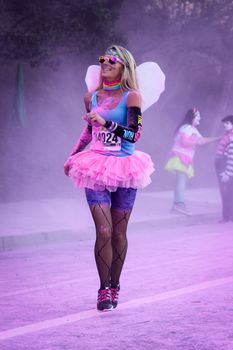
(111, 242)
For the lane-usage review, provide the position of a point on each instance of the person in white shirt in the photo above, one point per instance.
(187, 137)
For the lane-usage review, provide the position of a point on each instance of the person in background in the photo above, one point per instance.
(111, 170)
(224, 169)
(187, 137)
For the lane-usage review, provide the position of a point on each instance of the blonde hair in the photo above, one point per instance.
(128, 77)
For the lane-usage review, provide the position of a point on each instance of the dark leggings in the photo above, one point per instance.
(111, 212)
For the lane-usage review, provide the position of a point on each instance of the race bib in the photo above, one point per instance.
(103, 139)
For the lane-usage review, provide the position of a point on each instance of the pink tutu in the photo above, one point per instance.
(97, 171)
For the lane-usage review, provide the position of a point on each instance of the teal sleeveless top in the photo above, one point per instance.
(118, 147)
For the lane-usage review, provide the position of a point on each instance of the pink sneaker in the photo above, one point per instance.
(104, 300)
(115, 296)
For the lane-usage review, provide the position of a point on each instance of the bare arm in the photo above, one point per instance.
(205, 140)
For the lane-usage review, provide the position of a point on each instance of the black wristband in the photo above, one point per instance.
(107, 124)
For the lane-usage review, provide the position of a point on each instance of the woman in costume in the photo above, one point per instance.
(111, 170)
(187, 137)
(224, 169)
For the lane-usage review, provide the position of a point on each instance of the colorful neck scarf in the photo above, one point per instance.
(112, 85)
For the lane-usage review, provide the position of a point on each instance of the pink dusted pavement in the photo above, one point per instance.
(176, 290)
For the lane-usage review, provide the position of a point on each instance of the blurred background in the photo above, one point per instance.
(45, 49)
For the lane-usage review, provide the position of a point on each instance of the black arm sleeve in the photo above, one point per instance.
(132, 131)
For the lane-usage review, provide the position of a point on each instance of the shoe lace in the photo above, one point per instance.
(103, 295)
(114, 293)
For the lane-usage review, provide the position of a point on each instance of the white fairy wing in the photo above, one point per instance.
(151, 81)
(92, 78)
